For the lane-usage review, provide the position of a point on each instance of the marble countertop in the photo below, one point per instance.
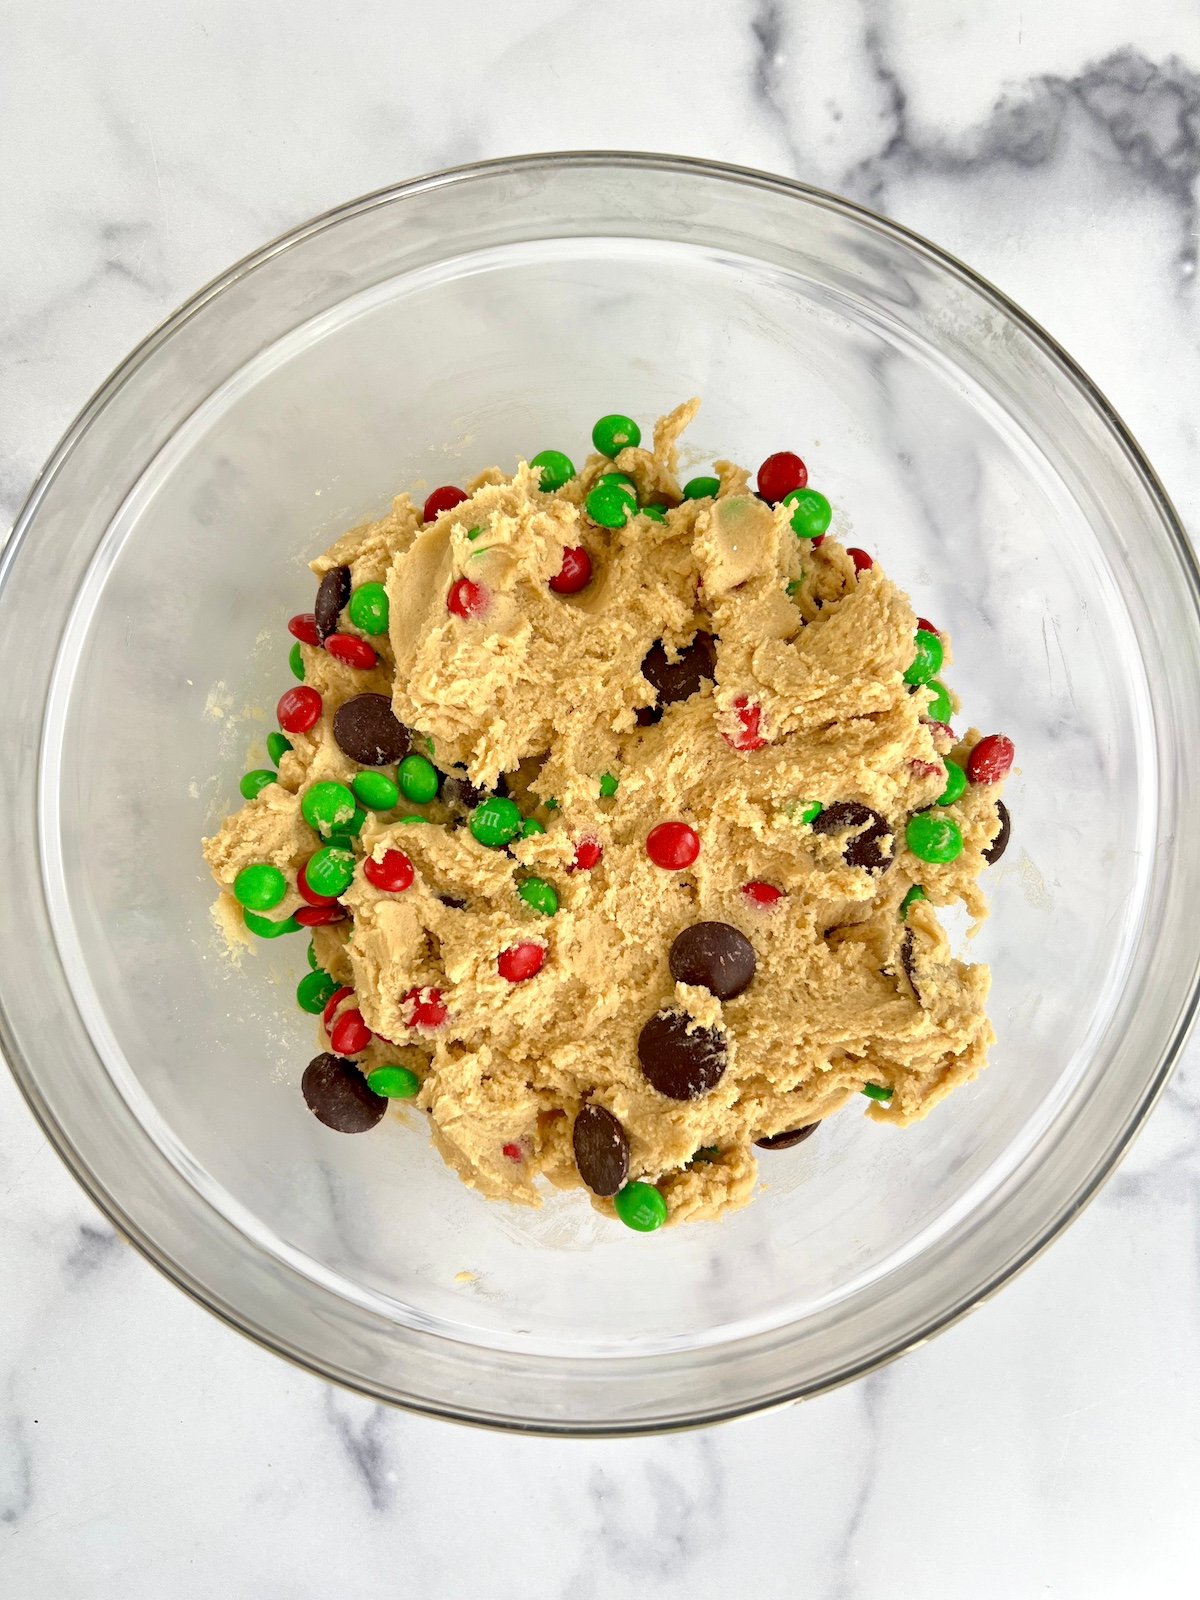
(1049, 1446)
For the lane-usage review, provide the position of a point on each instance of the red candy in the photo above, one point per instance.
(575, 573)
(331, 1005)
(673, 845)
(350, 1034)
(928, 627)
(925, 769)
(443, 499)
(355, 652)
(862, 561)
(762, 894)
(427, 1008)
(304, 628)
(320, 916)
(512, 1151)
(298, 710)
(313, 898)
(936, 728)
(748, 736)
(521, 962)
(392, 873)
(466, 599)
(780, 474)
(990, 759)
(588, 853)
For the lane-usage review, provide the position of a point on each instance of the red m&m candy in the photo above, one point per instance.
(355, 652)
(425, 1008)
(575, 573)
(466, 599)
(673, 845)
(320, 916)
(392, 873)
(762, 894)
(443, 499)
(332, 1004)
(350, 1034)
(862, 561)
(780, 474)
(749, 716)
(990, 759)
(520, 962)
(588, 853)
(304, 628)
(298, 710)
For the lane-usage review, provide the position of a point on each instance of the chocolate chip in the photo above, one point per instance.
(677, 680)
(679, 1064)
(368, 731)
(860, 849)
(337, 1095)
(908, 959)
(332, 595)
(601, 1149)
(453, 902)
(714, 956)
(460, 794)
(1000, 843)
(785, 1141)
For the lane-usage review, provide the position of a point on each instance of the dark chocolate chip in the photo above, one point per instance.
(714, 956)
(677, 680)
(453, 902)
(460, 794)
(908, 959)
(601, 1149)
(1000, 843)
(785, 1141)
(369, 732)
(679, 1064)
(860, 849)
(337, 1095)
(332, 595)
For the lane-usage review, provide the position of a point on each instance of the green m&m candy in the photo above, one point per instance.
(910, 899)
(927, 662)
(956, 782)
(296, 661)
(495, 821)
(314, 990)
(531, 827)
(640, 1206)
(539, 896)
(330, 871)
(614, 432)
(939, 708)
(369, 608)
(701, 488)
(412, 817)
(877, 1091)
(608, 785)
(611, 505)
(617, 477)
(556, 469)
(278, 745)
(253, 783)
(394, 1083)
(418, 779)
(311, 953)
(655, 513)
(375, 790)
(811, 513)
(327, 807)
(931, 838)
(259, 887)
(265, 928)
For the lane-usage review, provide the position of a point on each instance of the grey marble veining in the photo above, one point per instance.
(1046, 1449)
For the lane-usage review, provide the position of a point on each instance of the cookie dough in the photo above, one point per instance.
(676, 895)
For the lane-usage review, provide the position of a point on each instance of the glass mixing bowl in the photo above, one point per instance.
(409, 339)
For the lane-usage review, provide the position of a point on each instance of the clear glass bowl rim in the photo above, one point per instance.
(666, 165)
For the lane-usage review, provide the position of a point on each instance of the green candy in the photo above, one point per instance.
(311, 953)
(701, 488)
(296, 661)
(556, 469)
(327, 807)
(811, 513)
(655, 513)
(552, 804)
(369, 608)
(531, 827)
(253, 783)
(313, 991)
(705, 1156)
(793, 588)
(259, 887)
(394, 1083)
(910, 899)
(956, 782)
(876, 1091)
(608, 786)
(266, 929)
(614, 432)
(611, 505)
(641, 1207)
(473, 533)
(375, 790)
(539, 896)
(927, 662)
(617, 477)
(803, 811)
(418, 780)
(495, 821)
(278, 745)
(931, 838)
(330, 871)
(412, 817)
(939, 708)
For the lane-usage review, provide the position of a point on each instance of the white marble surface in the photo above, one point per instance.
(1048, 1447)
